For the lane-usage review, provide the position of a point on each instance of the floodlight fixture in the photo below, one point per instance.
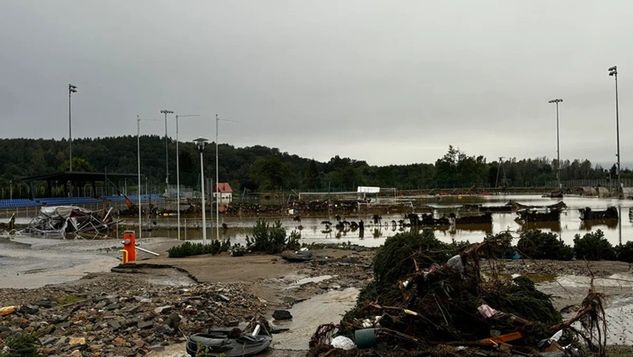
(164, 111)
(200, 142)
(613, 71)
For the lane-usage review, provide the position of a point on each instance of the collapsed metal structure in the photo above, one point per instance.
(72, 221)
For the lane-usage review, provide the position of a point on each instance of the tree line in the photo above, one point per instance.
(260, 168)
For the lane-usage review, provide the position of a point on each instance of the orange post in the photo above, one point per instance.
(129, 245)
(501, 339)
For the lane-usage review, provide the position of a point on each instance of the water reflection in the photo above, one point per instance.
(549, 226)
(599, 224)
(485, 228)
(323, 229)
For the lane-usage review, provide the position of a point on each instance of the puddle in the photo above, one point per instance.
(52, 262)
(314, 279)
(308, 315)
(620, 325)
(168, 277)
(571, 289)
(613, 281)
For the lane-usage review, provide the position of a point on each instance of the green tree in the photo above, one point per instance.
(79, 164)
(593, 246)
(311, 176)
(270, 172)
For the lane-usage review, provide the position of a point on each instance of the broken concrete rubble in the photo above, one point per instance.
(117, 315)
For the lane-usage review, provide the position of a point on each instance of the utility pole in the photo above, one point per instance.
(556, 101)
(498, 170)
(138, 167)
(200, 142)
(164, 111)
(178, 170)
(217, 183)
(613, 71)
(71, 89)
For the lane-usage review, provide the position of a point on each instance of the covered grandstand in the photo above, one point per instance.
(87, 189)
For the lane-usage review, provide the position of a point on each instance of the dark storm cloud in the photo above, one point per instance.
(382, 81)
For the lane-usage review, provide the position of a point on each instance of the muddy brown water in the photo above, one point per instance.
(328, 307)
(314, 231)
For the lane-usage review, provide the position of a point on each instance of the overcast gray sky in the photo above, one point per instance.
(381, 81)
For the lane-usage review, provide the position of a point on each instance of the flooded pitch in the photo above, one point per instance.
(314, 231)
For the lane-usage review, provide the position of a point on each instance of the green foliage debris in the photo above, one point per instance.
(593, 246)
(271, 238)
(20, 345)
(536, 244)
(188, 249)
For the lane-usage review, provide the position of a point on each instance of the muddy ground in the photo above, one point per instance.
(72, 295)
(68, 300)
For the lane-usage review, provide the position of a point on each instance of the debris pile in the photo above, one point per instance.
(428, 300)
(120, 315)
(9, 226)
(64, 221)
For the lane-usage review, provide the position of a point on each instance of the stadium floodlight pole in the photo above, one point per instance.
(613, 71)
(71, 89)
(556, 101)
(178, 171)
(138, 164)
(217, 179)
(217, 182)
(164, 111)
(200, 142)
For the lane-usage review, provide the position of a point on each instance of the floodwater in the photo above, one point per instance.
(328, 307)
(32, 262)
(314, 231)
(571, 289)
(27, 262)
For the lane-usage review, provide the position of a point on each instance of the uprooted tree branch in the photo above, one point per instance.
(430, 296)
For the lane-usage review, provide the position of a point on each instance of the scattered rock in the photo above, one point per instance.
(162, 309)
(114, 325)
(282, 315)
(113, 306)
(119, 341)
(77, 341)
(47, 304)
(29, 309)
(157, 348)
(122, 317)
(47, 340)
(144, 324)
(173, 320)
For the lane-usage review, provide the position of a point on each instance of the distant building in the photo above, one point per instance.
(224, 191)
(368, 189)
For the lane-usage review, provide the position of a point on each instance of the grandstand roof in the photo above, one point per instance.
(78, 176)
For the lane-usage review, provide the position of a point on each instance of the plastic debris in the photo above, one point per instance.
(344, 343)
(6, 310)
(486, 311)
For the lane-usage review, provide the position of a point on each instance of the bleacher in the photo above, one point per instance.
(66, 201)
(134, 198)
(72, 201)
(17, 203)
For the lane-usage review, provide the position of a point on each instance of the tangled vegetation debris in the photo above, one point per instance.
(188, 249)
(430, 298)
(272, 239)
(593, 246)
(537, 244)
